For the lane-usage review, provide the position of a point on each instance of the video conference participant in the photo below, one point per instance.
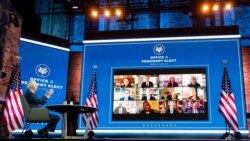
(172, 82)
(126, 83)
(120, 109)
(147, 83)
(194, 95)
(148, 95)
(36, 102)
(147, 108)
(127, 96)
(166, 95)
(171, 109)
(193, 82)
(195, 108)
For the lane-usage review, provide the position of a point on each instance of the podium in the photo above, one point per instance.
(65, 109)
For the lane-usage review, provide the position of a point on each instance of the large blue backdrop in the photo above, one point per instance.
(160, 58)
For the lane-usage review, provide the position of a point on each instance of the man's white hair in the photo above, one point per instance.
(31, 83)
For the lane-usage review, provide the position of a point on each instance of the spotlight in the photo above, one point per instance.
(205, 8)
(228, 6)
(216, 7)
(118, 12)
(94, 13)
(107, 13)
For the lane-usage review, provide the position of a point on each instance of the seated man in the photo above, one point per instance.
(36, 102)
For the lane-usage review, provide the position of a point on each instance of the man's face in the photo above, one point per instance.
(126, 93)
(171, 104)
(125, 81)
(148, 92)
(34, 87)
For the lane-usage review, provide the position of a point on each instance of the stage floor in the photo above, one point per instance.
(115, 136)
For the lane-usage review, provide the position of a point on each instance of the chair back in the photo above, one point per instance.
(25, 106)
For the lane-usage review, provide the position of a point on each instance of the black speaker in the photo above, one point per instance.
(2, 74)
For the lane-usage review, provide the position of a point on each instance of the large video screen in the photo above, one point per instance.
(160, 94)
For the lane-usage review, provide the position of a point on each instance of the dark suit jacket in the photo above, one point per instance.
(145, 98)
(150, 84)
(33, 100)
(175, 84)
(36, 102)
(129, 99)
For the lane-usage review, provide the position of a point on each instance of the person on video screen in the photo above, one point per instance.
(120, 109)
(127, 96)
(148, 95)
(194, 95)
(147, 108)
(126, 83)
(147, 83)
(195, 108)
(193, 82)
(172, 82)
(166, 95)
(171, 109)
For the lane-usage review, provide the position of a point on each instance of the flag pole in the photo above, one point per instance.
(91, 101)
(227, 133)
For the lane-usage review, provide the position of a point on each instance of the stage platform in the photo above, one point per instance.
(134, 136)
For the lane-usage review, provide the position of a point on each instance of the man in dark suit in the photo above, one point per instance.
(195, 108)
(36, 102)
(171, 109)
(147, 83)
(148, 95)
(127, 96)
(120, 109)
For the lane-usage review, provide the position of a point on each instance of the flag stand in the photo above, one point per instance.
(227, 107)
(226, 134)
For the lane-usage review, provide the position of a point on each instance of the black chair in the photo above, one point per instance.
(33, 115)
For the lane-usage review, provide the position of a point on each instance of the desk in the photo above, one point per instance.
(65, 109)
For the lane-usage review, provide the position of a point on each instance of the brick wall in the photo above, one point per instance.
(74, 75)
(11, 50)
(246, 73)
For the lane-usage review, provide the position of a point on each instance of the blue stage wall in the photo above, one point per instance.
(53, 60)
(186, 52)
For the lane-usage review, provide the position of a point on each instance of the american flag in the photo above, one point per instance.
(13, 112)
(92, 102)
(227, 105)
